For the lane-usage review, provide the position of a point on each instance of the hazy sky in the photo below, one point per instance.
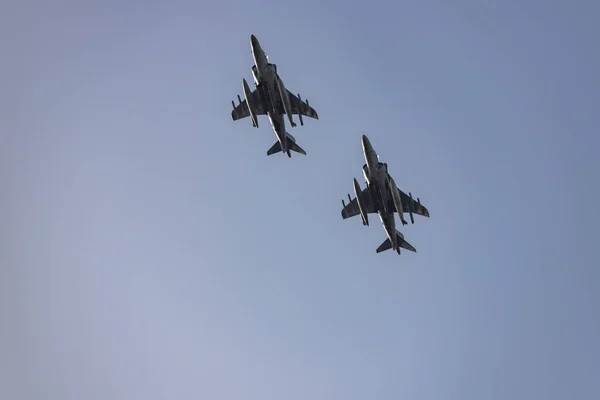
(151, 250)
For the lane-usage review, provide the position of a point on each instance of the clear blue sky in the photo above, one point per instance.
(151, 250)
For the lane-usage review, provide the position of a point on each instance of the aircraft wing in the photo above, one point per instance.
(351, 209)
(417, 207)
(241, 110)
(301, 107)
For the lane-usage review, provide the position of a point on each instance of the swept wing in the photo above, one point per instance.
(241, 110)
(351, 209)
(300, 107)
(417, 207)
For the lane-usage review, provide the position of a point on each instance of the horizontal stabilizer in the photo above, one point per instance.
(405, 245)
(387, 244)
(276, 148)
(291, 144)
(294, 147)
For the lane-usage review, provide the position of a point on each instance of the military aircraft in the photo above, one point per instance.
(383, 197)
(271, 98)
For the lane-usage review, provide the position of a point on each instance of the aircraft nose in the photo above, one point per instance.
(253, 41)
(365, 142)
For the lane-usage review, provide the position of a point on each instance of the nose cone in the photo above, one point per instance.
(366, 145)
(254, 42)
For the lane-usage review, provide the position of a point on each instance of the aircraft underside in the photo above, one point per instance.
(381, 196)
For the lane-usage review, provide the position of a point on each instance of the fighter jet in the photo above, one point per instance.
(271, 98)
(383, 197)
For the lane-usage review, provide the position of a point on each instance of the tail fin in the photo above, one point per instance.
(294, 147)
(291, 144)
(387, 244)
(276, 148)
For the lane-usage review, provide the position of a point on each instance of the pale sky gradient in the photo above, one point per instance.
(151, 250)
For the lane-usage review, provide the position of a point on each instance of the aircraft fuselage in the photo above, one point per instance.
(375, 173)
(266, 81)
(379, 183)
(389, 225)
